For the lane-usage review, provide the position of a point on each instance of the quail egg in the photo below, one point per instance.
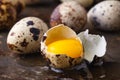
(63, 48)
(71, 14)
(25, 35)
(7, 15)
(105, 15)
(84, 3)
(18, 4)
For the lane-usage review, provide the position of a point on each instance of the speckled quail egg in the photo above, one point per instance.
(105, 15)
(7, 15)
(25, 35)
(63, 48)
(18, 4)
(84, 3)
(71, 14)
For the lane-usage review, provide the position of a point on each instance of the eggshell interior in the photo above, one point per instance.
(93, 45)
(58, 33)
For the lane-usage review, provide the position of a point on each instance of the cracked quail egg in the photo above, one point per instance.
(25, 35)
(105, 15)
(71, 14)
(63, 48)
(84, 3)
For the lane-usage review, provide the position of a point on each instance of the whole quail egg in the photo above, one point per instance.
(7, 15)
(25, 35)
(63, 48)
(105, 15)
(18, 4)
(84, 3)
(71, 14)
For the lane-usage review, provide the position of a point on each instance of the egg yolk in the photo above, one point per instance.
(71, 47)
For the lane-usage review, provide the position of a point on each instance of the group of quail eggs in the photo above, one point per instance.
(64, 45)
(9, 11)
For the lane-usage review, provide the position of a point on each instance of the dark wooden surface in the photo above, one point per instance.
(33, 67)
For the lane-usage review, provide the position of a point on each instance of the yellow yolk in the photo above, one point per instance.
(71, 47)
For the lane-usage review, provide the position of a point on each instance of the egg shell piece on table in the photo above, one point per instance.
(84, 3)
(105, 15)
(71, 14)
(25, 35)
(64, 58)
(92, 45)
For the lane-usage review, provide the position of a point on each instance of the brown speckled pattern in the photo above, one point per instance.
(19, 5)
(24, 43)
(7, 15)
(12, 46)
(72, 17)
(12, 34)
(30, 23)
(61, 61)
(35, 33)
(105, 15)
(26, 35)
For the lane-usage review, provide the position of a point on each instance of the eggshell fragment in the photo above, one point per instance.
(105, 15)
(25, 35)
(93, 45)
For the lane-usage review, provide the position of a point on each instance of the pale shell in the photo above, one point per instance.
(59, 61)
(25, 35)
(84, 3)
(93, 45)
(105, 15)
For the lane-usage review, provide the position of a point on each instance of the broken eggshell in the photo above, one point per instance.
(93, 45)
(60, 32)
(25, 35)
(62, 60)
